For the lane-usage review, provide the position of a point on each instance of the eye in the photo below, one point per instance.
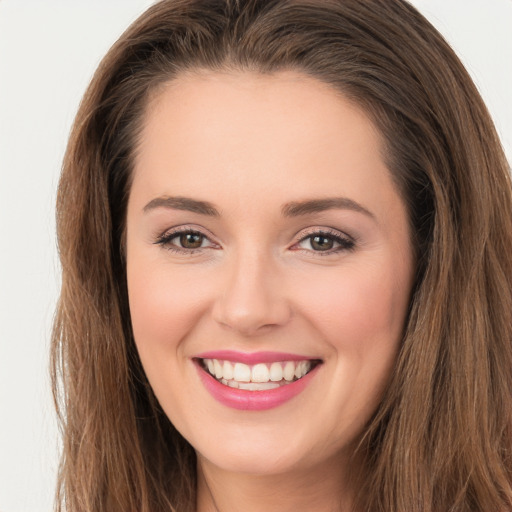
(190, 240)
(327, 242)
(184, 241)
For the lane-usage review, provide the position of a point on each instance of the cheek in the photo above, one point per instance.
(361, 316)
(165, 304)
(359, 308)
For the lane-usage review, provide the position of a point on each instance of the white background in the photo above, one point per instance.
(48, 52)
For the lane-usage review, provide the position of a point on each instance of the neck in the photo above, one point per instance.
(320, 488)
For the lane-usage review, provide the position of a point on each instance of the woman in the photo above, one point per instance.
(285, 231)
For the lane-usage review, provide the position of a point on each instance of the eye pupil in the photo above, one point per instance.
(322, 243)
(191, 240)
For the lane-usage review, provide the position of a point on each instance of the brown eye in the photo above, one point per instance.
(191, 240)
(322, 243)
(326, 243)
(186, 241)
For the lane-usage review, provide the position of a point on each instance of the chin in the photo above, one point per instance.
(263, 452)
(256, 462)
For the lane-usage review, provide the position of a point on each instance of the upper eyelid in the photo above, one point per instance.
(185, 228)
(303, 234)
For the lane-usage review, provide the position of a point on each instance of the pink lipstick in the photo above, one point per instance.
(255, 381)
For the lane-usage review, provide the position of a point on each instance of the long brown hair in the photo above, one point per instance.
(441, 439)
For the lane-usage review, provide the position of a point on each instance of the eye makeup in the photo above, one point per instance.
(185, 240)
(321, 241)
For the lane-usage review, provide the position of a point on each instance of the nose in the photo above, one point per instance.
(252, 299)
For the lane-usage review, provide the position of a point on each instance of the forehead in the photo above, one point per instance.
(284, 136)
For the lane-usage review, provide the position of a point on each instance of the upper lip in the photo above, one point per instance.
(251, 358)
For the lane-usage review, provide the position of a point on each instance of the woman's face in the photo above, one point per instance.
(265, 240)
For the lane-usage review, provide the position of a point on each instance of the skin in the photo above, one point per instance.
(250, 144)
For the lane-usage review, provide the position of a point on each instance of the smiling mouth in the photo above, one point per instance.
(257, 377)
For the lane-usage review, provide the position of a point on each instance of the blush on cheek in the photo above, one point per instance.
(164, 306)
(359, 308)
(151, 318)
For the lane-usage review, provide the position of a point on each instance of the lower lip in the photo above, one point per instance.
(245, 400)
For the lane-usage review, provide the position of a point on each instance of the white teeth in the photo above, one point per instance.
(260, 373)
(276, 372)
(289, 371)
(259, 377)
(227, 370)
(217, 368)
(302, 368)
(242, 372)
(258, 386)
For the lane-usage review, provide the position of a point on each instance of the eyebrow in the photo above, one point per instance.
(292, 209)
(182, 203)
(298, 208)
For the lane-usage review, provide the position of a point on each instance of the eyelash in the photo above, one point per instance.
(165, 240)
(345, 243)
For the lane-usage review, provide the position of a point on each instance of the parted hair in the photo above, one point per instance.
(441, 439)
